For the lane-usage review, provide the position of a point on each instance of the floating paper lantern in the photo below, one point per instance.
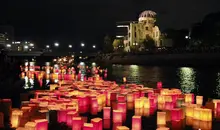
(122, 128)
(189, 98)
(136, 123)
(137, 103)
(30, 125)
(161, 118)
(94, 106)
(113, 96)
(41, 124)
(199, 100)
(121, 98)
(160, 99)
(115, 125)
(106, 112)
(88, 126)
(206, 115)
(176, 114)
(70, 115)
(197, 112)
(106, 123)
(77, 123)
(130, 97)
(97, 123)
(169, 105)
(159, 85)
(218, 109)
(62, 115)
(117, 116)
(15, 118)
(147, 103)
(190, 110)
(189, 121)
(122, 107)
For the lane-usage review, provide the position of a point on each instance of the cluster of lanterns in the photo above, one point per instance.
(94, 95)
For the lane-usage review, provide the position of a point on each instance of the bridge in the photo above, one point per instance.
(46, 54)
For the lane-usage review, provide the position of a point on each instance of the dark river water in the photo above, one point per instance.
(199, 80)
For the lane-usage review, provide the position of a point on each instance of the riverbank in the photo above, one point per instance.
(186, 59)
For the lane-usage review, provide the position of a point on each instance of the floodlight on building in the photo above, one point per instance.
(119, 36)
(122, 26)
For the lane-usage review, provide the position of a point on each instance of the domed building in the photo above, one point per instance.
(142, 29)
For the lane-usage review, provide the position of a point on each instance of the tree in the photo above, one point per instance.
(117, 43)
(107, 44)
(148, 43)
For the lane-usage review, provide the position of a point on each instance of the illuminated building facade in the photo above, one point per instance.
(140, 30)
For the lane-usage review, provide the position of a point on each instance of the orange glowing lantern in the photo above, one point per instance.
(15, 118)
(130, 97)
(136, 123)
(30, 125)
(197, 113)
(88, 126)
(161, 118)
(122, 128)
(117, 116)
(41, 124)
(190, 110)
(97, 123)
(199, 100)
(189, 98)
(106, 112)
(77, 123)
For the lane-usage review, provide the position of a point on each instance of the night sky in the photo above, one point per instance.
(73, 21)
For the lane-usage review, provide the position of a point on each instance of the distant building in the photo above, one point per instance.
(23, 46)
(138, 31)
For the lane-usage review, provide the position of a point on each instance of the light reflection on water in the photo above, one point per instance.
(201, 81)
(187, 78)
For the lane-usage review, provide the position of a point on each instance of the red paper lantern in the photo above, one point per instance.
(41, 124)
(159, 85)
(62, 114)
(106, 112)
(115, 125)
(121, 98)
(94, 106)
(70, 115)
(88, 126)
(169, 105)
(117, 116)
(106, 123)
(113, 96)
(77, 123)
(176, 114)
(97, 123)
(136, 123)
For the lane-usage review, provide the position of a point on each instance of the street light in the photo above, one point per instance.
(94, 46)
(70, 46)
(8, 45)
(47, 46)
(56, 44)
(82, 44)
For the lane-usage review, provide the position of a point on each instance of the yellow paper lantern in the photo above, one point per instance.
(161, 118)
(160, 99)
(163, 128)
(137, 103)
(147, 103)
(206, 115)
(15, 118)
(130, 97)
(30, 125)
(199, 100)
